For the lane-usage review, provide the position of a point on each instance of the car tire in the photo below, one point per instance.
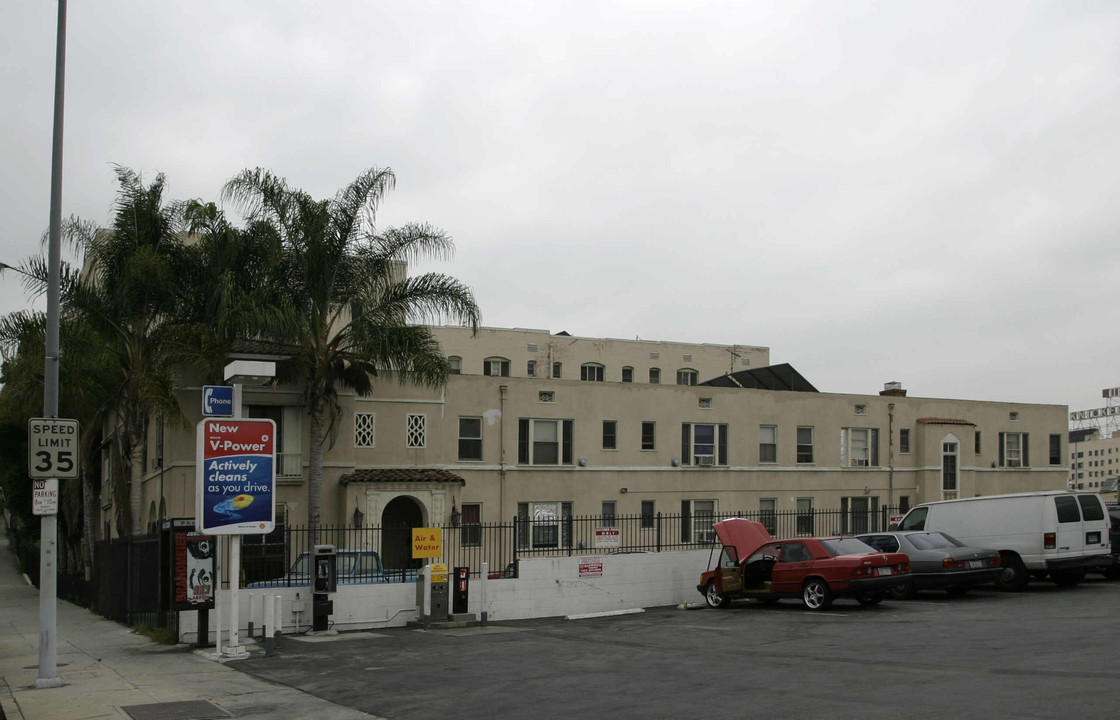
(713, 598)
(870, 599)
(816, 594)
(957, 590)
(1014, 577)
(903, 591)
(1068, 578)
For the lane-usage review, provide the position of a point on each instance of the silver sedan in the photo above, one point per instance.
(937, 561)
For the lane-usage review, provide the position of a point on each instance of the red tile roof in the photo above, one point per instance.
(944, 421)
(401, 475)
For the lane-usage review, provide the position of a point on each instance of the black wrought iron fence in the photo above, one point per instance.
(500, 545)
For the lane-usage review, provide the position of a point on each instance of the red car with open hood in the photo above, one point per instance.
(754, 565)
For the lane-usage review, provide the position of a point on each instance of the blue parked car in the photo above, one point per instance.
(355, 567)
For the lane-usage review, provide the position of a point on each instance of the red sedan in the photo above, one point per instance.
(754, 565)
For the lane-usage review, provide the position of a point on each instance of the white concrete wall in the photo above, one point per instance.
(547, 587)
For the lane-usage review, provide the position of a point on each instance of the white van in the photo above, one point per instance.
(1058, 532)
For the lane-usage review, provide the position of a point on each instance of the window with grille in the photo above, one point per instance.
(363, 430)
(546, 396)
(647, 513)
(472, 525)
(416, 431)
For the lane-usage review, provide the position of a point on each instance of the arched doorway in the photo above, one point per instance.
(397, 520)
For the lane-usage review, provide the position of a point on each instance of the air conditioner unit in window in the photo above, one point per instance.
(705, 460)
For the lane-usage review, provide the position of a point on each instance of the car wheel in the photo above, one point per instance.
(957, 590)
(715, 600)
(868, 599)
(1014, 577)
(816, 594)
(1068, 578)
(903, 591)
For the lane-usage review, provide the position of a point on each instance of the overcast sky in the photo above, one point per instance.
(920, 192)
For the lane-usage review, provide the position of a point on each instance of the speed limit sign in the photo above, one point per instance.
(52, 448)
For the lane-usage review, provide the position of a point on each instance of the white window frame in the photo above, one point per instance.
(768, 444)
(534, 429)
(854, 453)
(495, 367)
(461, 438)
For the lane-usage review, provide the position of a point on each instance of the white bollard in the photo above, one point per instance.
(278, 618)
(269, 605)
(483, 578)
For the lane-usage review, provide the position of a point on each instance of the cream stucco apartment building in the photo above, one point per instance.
(544, 425)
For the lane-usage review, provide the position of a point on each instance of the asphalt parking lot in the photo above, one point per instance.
(1044, 653)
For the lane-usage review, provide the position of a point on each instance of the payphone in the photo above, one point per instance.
(324, 580)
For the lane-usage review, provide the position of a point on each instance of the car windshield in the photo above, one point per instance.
(846, 546)
(932, 541)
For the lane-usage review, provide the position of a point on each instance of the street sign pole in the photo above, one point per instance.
(48, 524)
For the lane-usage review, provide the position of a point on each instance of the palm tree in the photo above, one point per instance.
(129, 296)
(346, 308)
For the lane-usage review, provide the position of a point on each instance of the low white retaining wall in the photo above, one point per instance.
(547, 587)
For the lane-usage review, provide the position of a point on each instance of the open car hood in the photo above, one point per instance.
(745, 536)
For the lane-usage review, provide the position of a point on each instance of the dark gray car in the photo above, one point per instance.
(937, 561)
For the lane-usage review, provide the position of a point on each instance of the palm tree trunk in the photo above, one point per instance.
(136, 482)
(315, 474)
(89, 519)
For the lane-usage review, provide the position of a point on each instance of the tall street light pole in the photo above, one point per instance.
(48, 524)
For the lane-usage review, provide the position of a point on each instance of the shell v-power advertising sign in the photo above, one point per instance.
(236, 476)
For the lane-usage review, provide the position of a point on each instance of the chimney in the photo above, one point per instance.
(893, 389)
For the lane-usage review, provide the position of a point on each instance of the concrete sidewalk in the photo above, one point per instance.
(106, 668)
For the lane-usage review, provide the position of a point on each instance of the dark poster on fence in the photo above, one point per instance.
(192, 570)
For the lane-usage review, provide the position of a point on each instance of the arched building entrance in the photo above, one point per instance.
(400, 516)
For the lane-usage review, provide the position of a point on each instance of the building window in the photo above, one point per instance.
(364, 426)
(496, 367)
(687, 377)
(655, 376)
(647, 513)
(949, 467)
(1013, 416)
(768, 443)
(976, 442)
(903, 504)
(544, 442)
(544, 524)
(627, 374)
(859, 447)
(470, 438)
(1056, 450)
(804, 516)
(556, 370)
(610, 434)
(1013, 450)
(697, 517)
(471, 534)
(456, 364)
(858, 514)
(705, 404)
(289, 461)
(904, 440)
(654, 355)
(546, 396)
(703, 444)
(416, 430)
(804, 445)
(592, 372)
(648, 436)
(768, 514)
(861, 409)
(531, 368)
(609, 513)
(531, 347)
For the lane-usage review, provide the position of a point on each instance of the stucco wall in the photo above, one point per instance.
(547, 587)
